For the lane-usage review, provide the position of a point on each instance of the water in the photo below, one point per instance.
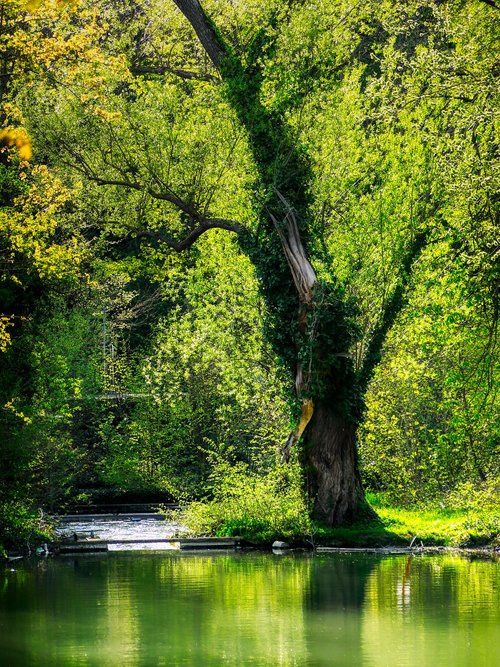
(121, 527)
(174, 609)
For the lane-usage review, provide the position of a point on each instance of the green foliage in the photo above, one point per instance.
(257, 505)
(130, 367)
(478, 498)
(208, 382)
(432, 407)
(21, 527)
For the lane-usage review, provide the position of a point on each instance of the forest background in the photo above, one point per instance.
(128, 366)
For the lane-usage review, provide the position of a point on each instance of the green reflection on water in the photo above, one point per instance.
(254, 609)
(433, 611)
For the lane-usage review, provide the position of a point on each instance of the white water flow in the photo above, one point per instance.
(124, 527)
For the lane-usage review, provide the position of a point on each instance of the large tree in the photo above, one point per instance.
(393, 79)
(311, 321)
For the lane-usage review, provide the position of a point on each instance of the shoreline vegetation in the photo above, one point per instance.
(395, 527)
(425, 529)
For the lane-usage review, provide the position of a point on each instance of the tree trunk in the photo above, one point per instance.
(325, 385)
(332, 468)
(204, 30)
(330, 452)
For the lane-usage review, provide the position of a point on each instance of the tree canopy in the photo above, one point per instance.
(275, 225)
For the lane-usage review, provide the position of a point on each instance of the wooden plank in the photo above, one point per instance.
(114, 517)
(366, 550)
(208, 543)
(184, 544)
(82, 547)
(121, 508)
(146, 540)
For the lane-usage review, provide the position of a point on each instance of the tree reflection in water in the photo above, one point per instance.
(250, 609)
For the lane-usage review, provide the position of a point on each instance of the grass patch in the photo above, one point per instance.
(431, 526)
(448, 527)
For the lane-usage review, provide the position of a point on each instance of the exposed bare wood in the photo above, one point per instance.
(305, 417)
(204, 30)
(304, 279)
(299, 378)
(302, 272)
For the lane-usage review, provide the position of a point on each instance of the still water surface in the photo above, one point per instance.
(148, 610)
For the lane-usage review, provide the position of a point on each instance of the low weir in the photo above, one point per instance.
(135, 531)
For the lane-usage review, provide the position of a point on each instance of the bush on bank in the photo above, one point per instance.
(21, 527)
(252, 505)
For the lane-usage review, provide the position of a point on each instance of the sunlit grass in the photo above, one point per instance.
(429, 526)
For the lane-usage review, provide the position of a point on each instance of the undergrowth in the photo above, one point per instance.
(262, 508)
(251, 505)
(21, 527)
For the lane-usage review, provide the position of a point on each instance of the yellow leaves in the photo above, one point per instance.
(90, 102)
(10, 407)
(17, 137)
(46, 6)
(37, 238)
(108, 116)
(85, 98)
(5, 323)
(56, 261)
(31, 5)
(13, 114)
(55, 32)
(34, 227)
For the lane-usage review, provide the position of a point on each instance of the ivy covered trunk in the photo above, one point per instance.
(332, 468)
(330, 416)
(308, 319)
(326, 386)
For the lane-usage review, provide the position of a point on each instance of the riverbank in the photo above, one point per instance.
(423, 527)
(396, 527)
(399, 527)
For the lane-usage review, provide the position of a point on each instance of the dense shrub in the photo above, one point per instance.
(21, 527)
(260, 506)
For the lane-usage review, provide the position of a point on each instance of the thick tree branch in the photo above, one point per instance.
(204, 29)
(202, 221)
(393, 307)
(140, 70)
(170, 197)
(193, 236)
